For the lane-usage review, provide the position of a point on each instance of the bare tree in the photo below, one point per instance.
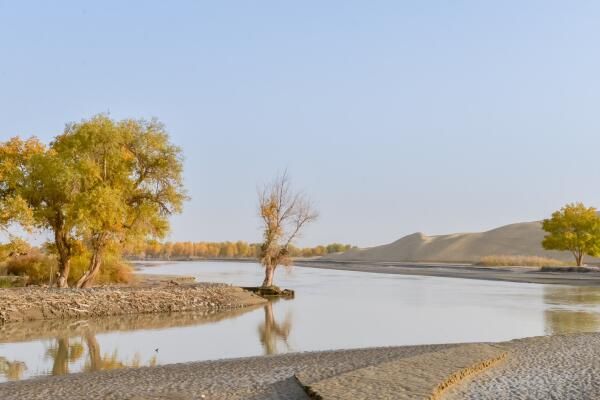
(284, 213)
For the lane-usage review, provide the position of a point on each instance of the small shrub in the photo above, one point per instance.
(13, 281)
(5, 282)
(520, 261)
(36, 265)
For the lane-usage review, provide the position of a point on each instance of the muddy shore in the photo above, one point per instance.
(559, 367)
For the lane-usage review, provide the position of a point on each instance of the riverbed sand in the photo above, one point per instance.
(554, 367)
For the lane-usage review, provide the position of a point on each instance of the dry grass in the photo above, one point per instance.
(39, 268)
(520, 261)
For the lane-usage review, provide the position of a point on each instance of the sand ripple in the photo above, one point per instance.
(551, 367)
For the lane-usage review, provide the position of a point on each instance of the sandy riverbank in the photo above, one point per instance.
(35, 303)
(465, 271)
(561, 367)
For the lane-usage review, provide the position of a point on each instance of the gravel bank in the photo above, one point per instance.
(28, 304)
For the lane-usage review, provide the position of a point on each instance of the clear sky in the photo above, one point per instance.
(395, 116)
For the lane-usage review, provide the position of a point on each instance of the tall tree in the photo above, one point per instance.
(37, 190)
(574, 228)
(284, 213)
(130, 178)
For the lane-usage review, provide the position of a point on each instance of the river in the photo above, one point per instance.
(332, 310)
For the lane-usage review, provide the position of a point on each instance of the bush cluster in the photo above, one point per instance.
(40, 268)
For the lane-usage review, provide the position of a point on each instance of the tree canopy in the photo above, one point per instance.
(101, 183)
(130, 180)
(38, 190)
(153, 249)
(574, 228)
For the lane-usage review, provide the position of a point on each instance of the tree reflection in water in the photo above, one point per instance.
(564, 320)
(270, 332)
(72, 346)
(66, 351)
(12, 370)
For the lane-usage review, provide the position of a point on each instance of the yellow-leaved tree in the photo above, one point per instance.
(130, 181)
(37, 191)
(574, 228)
(284, 213)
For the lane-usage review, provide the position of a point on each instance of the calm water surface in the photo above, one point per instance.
(332, 310)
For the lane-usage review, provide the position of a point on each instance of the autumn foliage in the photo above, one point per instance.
(154, 250)
(574, 228)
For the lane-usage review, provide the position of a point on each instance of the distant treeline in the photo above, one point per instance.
(240, 249)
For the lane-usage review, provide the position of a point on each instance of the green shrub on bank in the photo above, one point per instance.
(5, 282)
(520, 261)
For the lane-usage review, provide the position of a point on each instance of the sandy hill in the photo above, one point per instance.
(515, 239)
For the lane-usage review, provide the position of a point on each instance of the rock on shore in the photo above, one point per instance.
(33, 303)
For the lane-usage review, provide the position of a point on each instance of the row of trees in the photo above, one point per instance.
(240, 249)
(101, 184)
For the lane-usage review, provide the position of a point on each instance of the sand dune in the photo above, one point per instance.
(515, 239)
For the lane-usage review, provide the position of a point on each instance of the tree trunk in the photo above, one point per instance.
(269, 273)
(579, 259)
(63, 273)
(64, 258)
(88, 278)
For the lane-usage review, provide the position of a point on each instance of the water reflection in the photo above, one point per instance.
(12, 370)
(72, 346)
(75, 347)
(335, 309)
(27, 331)
(66, 351)
(270, 332)
(575, 309)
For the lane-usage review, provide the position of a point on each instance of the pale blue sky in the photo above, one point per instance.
(395, 116)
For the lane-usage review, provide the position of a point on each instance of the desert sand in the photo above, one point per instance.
(515, 240)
